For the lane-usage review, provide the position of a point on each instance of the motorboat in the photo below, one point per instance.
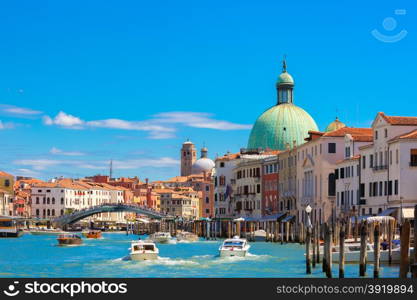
(352, 253)
(235, 246)
(93, 234)
(187, 236)
(259, 235)
(46, 231)
(143, 250)
(160, 237)
(9, 228)
(69, 239)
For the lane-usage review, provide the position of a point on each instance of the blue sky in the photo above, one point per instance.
(83, 82)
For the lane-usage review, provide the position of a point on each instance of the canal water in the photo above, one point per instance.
(39, 256)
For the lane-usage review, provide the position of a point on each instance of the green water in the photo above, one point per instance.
(39, 256)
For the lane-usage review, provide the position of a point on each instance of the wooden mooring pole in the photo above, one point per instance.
(313, 235)
(329, 242)
(404, 250)
(342, 251)
(364, 252)
(318, 243)
(308, 251)
(414, 266)
(377, 250)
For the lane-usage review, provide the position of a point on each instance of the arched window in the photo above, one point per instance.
(43, 200)
(62, 212)
(62, 201)
(53, 200)
(48, 212)
(37, 212)
(53, 212)
(47, 200)
(37, 200)
(44, 211)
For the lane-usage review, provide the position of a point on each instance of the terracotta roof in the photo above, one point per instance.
(411, 135)
(356, 157)
(396, 120)
(349, 130)
(163, 191)
(366, 146)
(2, 173)
(229, 156)
(272, 152)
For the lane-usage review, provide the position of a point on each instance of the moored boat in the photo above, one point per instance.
(69, 239)
(142, 250)
(234, 247)
(352, 253)
(187, 236)
(94, 234)
(9, 228)
(160, 237)
(46, 231)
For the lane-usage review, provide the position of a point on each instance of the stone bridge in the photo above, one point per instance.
(109, 207)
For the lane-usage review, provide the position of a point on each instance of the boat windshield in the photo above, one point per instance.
(233, 244)
(143, 247)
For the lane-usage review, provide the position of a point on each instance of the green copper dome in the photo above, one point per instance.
(281, 125)
(284, 123)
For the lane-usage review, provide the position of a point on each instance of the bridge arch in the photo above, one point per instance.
(113, 207)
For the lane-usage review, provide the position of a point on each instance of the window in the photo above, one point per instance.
(370, 210)
(386, 132)
(371, 161)
(363, 162)
(207, 200)
(370, 189)
(390, 157)
(396, 187)
(258, 188)
(396, 156)
(347, 151)
(62, 201)
(342, 172)
(37, 200)
(222, 164)
(390, 187)
(362, 190)
(376, 134)
(380, 188)
(7, 183)
(413, 157)
(207, 211)
(332, 185)
(332, 148)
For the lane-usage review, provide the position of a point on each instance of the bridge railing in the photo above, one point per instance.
(98, 207)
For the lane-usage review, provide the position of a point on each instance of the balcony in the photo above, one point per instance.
(380, 168)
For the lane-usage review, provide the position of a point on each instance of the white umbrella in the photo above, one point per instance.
(239, 219)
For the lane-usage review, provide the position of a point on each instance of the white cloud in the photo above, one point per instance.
(26, 172)
(6, 125)
(198, 120)
(15, 110)
(64, 120)
(43, 164)
(57, 151)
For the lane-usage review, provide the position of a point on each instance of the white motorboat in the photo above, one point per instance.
(160, 237)
(234, 247)
(352, 253)
(142, 250)
(46, 231)
(187, 236)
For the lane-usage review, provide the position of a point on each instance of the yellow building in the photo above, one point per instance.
(6, 182)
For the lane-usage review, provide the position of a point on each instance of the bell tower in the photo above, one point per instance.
(188, 157)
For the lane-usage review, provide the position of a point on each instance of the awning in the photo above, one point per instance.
(360, 218)
(408, 213)
(274, 217)
(387, 212)
(288, 218)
